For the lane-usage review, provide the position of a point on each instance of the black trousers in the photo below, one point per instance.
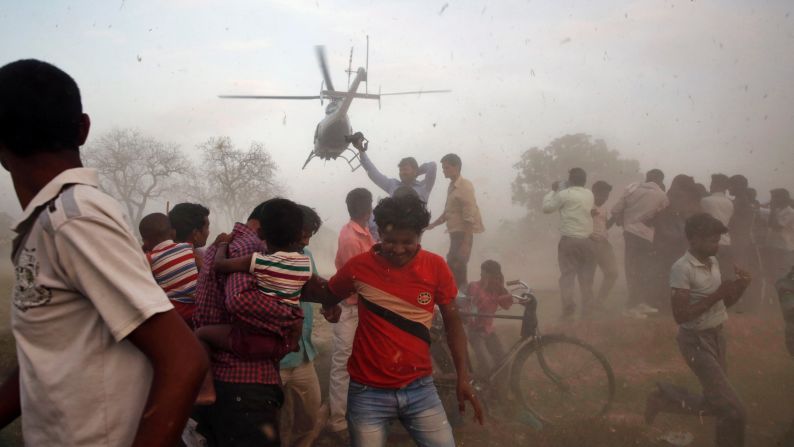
(244, 415)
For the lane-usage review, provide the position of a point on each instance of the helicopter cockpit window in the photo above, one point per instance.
(332, 107)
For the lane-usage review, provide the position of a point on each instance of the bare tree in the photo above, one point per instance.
(233, 181)
(135, 168)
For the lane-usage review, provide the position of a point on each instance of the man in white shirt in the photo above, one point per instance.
(634, 211)
(575, 250)
(719, 206)
(699, 301)
(104, 359)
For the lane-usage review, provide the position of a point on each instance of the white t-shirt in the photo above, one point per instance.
(82, 285)
(701, 280)
(721, 208)
(783, 238)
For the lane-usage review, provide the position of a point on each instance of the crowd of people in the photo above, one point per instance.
(148, 343)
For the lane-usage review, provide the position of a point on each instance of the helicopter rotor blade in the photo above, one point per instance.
(324, 66)
(418, 92)
(267, 97)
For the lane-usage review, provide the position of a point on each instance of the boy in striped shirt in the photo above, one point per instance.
(280, 275)
(173, 264)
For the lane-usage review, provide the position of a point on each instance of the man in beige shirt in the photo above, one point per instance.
(462, 216)
(634, 211)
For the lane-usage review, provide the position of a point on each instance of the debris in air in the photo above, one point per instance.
(139, 58)
(566, 40)
(443, 8)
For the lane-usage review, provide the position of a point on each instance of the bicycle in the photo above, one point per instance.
(554, 378)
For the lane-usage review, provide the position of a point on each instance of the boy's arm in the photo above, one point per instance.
(551, 202)
(223, 264)
(199, 259)
(10, 407)
(456, 339)
(739, 285)
(179, 365)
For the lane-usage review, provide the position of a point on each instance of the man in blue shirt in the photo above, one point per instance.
(301, 413)
(409, 174)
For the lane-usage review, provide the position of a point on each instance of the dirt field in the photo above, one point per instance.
(641, 352)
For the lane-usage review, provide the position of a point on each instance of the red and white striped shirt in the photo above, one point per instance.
(174, 268)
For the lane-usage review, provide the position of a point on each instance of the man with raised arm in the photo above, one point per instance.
(104, 359)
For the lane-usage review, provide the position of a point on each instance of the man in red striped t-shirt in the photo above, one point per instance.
(173, 264)
(398, 285)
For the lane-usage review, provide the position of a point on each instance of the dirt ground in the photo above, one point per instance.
(641, 352)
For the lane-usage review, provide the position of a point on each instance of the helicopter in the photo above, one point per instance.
(333, 135)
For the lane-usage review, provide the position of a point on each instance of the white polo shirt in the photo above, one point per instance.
(82, 285)
(701, 280)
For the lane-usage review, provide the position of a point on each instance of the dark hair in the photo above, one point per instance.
(406, 212)
(311, 220)
(452, 159)
(654, 175)
(781, 194)
(719, 182)
(155, 226)
(40, 108)
(577, 177)
(602, 186)
(492, 267)
(703, 225)
(280, 221)
(405, 191)
(738, 181)
(359, 202)
(187, 217)
(411, 161)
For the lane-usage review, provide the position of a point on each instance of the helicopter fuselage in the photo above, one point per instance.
(331, 135)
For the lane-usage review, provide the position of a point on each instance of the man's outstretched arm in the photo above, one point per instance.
(375, 175)
(179, 364)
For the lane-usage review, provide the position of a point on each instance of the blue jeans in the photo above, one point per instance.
(417, 406)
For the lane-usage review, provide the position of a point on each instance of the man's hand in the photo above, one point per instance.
(359, 141)
(332, 313)
(466, 392)
(431, 226)
(555, 186)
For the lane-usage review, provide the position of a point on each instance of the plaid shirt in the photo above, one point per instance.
(222, 298)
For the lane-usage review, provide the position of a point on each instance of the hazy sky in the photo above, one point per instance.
(687, 86)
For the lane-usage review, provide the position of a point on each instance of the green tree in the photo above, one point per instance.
(539, 168)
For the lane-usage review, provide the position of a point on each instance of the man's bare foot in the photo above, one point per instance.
(206, 395)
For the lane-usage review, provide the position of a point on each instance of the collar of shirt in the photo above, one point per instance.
(359, 230)
(383, 262)
(697, 263)
(83, 176)
(241, 229)
(162, 245)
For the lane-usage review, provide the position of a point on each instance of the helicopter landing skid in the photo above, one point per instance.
(351, 158)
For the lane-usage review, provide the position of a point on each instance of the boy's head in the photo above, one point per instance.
(155, 228)
(40, 111)
(491, 274)
(451, 164)
(703, 232)
(191, 223)
(359, 203)
(409, 170)
(655, 176)
(577, 177)
(311, 225)
(601, 190)
(719, 183)
(280, 224)
(400, 221)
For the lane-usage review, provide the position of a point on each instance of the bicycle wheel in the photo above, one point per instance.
(562, 379)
